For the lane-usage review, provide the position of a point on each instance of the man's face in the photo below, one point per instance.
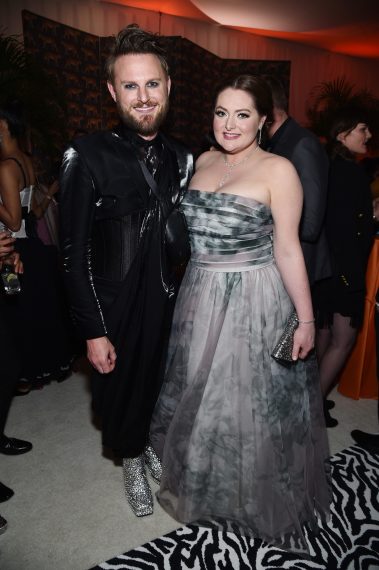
(140, 89)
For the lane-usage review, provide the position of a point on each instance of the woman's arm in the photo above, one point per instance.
(286, 205)
(39, 208)
(10, 209)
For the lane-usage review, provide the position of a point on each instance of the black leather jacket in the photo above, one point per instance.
(103, 201)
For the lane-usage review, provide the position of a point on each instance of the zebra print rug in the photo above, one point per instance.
(350, 541)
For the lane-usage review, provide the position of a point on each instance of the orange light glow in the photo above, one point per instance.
(183, 8)
(360, 40)
(360, 44)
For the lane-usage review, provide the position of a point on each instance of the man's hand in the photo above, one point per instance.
(101, 354)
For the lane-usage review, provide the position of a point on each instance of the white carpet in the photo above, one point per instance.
(69, 510)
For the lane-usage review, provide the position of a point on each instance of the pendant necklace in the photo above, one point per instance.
(231, 165)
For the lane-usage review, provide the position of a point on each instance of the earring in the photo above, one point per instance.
(259, 136)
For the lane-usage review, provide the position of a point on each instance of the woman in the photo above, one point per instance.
(37, 315)
(241, 437)
(339, 301)
(8, 371)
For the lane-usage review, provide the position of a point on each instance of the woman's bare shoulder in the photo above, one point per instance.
(8, 167)
(278, 166)
(207, 158)
(276, 161)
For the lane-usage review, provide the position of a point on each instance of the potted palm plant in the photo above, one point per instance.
(24, 80)
(328, 97)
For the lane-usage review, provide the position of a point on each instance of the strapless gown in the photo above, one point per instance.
(241, 437)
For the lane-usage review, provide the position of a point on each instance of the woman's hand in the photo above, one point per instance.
(53, 188)
(16, 262)
(303, 341)
(375, 209)
(7, 253)
(6, 244)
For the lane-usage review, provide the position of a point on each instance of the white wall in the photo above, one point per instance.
(309, 66)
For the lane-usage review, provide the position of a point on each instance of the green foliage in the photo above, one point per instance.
(24, 79)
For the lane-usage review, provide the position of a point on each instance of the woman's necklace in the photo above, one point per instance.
(231, 165)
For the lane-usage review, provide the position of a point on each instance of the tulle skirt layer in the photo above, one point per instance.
(242, 437)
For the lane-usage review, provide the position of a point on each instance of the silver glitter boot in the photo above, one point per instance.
(153, 463)
(137, 489)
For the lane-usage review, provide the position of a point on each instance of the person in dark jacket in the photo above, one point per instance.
(304, 150)
(120, 279)
(301, 147)
(350, 229)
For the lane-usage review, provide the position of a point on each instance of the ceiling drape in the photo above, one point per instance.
(309, 66)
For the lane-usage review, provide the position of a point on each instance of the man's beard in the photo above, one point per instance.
(145, 126)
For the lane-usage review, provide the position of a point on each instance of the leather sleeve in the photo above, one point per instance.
(77, 212)
(311, 163)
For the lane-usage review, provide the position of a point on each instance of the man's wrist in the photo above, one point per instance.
(96, 340)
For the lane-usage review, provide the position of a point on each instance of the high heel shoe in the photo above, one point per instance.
(329, 421)
(153, 463)
(23, 387)
(137, 488)
(3, 524)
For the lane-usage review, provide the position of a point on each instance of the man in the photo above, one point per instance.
(302, 148)
(120, 280)
(9, 370)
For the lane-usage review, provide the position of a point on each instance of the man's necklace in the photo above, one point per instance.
(231, 165)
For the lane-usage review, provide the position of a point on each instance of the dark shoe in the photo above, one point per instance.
(3, 525)
(13, 446)
(369, 441)
(23, 388)
(5, 493)
(63, 373)
(329, 421)
(329, 404)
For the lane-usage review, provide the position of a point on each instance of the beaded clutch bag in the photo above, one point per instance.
(283, 349)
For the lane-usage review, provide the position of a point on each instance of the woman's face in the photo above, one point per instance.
(236, 120)
(356, 140)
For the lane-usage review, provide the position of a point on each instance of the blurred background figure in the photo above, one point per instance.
(370, 441)
(45, 209)
(9, 371)
(339, 300)
(37, 316)
(371, 165)
(300, 146)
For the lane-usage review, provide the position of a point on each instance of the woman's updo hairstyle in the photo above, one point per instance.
(12, 113)
(259, 92)
(343, 121)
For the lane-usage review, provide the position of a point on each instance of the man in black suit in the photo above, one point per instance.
(120, 276)
(303, 149)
